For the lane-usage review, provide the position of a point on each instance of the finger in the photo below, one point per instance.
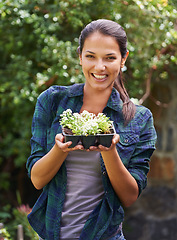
(59, 137)
(93, 148)
(78, 147)
(115, 139)
(103, 148)
(69, 149)
(63, 146)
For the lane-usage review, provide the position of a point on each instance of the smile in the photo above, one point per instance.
(99, 76)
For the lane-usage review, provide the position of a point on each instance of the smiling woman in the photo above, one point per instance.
(84, 190)
(106, 43)
(101, 62)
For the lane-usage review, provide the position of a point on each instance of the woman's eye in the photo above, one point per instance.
(111, 58)
(89, 56)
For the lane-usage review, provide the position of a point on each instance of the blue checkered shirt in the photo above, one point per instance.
(137, 143)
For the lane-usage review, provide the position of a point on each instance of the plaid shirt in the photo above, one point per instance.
(137, 143)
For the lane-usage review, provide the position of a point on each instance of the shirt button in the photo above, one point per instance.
(126, 140)
(104, 173)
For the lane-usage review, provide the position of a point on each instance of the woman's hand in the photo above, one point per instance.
(101, 148)
(59, 140)
(47, 167)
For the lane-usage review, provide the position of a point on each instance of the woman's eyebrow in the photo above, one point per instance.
(110, 54)
(90, 52)
(106, 54)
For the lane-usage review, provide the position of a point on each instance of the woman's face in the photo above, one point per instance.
(101, 61)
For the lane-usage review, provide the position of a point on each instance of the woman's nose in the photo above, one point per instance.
(100, 65)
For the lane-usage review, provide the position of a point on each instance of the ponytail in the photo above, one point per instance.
(129, 107)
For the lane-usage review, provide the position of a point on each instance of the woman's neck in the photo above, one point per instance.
(95, 101)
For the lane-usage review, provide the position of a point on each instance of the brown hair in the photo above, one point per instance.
(113, 29)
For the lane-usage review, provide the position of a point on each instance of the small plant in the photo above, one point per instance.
(86, 123)
(20, 214)
(4, 234)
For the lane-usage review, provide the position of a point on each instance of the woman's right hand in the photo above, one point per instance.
(47, 167)
(59, 140)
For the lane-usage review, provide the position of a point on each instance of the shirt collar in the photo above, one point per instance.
(114, 101)
(76, 90)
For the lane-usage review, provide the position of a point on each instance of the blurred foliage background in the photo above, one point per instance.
(38, 48)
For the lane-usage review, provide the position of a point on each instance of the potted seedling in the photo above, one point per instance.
(87, 128)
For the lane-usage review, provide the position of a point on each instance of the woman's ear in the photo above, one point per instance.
(80, 58)
(124, 59)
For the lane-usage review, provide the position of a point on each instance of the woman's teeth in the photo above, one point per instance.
(99, 76)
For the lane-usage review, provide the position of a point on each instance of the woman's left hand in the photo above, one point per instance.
(101, 148)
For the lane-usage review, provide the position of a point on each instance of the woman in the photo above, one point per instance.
(84, 191)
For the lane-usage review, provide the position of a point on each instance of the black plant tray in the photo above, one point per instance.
(90, 140)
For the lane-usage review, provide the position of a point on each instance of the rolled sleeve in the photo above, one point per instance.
(40, 125)
(139, 162)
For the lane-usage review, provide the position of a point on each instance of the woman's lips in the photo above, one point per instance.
(99, 76)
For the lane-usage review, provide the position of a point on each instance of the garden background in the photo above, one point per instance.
(38, 48)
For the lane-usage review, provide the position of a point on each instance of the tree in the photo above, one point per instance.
(38, 48)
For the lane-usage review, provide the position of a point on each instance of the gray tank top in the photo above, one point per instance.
(84, 191)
